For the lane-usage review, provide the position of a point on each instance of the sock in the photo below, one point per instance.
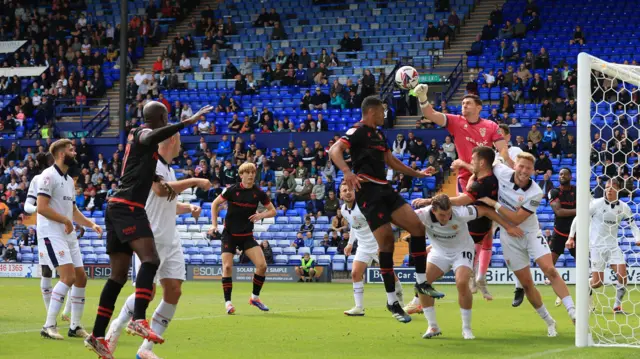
(67, 307)
(358, 293)
(77, 306)
(545, 315)
(227, 287)
(160, 321)
(620, 291)
(419, 253)
(415, 300)
(45, 288)
(106, 305)
(483, 263)
(258, 282)
(430, 314)
(125, 315)
(466, 318)
(517, 282)
(144, 289)
(568, 303)
(388, 276)
(399, 288)
(58, 294)
(476, 258)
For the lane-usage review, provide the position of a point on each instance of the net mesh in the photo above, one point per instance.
(615, 130)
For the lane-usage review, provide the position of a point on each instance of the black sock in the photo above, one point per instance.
(107, 302)
(144, 289)
(227, 287)
(419, 253)
(258, 282)
(386, 269)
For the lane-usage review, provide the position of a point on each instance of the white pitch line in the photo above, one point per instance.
(546, 353)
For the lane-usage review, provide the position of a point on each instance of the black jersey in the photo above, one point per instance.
(482, 187)
(138, 169)
(567, 198)
(368, 148)
(243, 203)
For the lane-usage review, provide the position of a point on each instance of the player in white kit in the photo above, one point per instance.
(607, 214)
(452, 248)
(518, 200)
(366, 253)
(57, 245)
(171, 273)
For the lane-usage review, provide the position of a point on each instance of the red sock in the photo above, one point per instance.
(485, 255)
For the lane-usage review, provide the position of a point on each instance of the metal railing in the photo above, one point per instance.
(93, 118)
(453, 80)
(386, 90)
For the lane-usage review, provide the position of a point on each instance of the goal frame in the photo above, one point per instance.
(587, 63)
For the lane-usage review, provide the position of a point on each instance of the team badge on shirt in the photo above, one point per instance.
(483, 131)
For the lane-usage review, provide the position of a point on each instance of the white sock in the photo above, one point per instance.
(545, 315)
(77, 306)
(421, 278)
(568, 303)
(58, 294)
(126, 313)
(430, 314)
(400, 292)
(392, 297)
(160, 321)
(415, 300)
(254, 297)
(620, 291)
(45, 288)
(227, 303)
(67, 307)
(466, 318)
(358, 293)
(518, 285)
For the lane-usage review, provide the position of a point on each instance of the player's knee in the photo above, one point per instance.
(261, 268)
(172, 293)
(551, 273)
(418, 229)
(227, 267)
(356, 276)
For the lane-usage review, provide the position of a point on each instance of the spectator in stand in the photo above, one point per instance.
(337, 101)
(230, 71)
(537, 89)
(542, 59)
(368, 83)
(531, 148)
(519, 29)
(185, 64)
(331, 204)
(534, 135)
(507, 31)
(221, 41)
(338, 223)
(570, 150)
(506, 102)
(547, 137)
(10, 254)
(578, 37)
(399, 145)
(205, 63)
(305, 193)
(489, 31)
(477, 47)
(454, 20)
(496, 15)
(523, 73)
(345, 43)
(546, 184)
(444, 32)
(319, 100)
(534, 23)
(278, 32)
(299, 241)
(356, 42)
(431, 33)
(543, 164)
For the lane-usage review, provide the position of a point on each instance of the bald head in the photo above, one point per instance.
(155, 114)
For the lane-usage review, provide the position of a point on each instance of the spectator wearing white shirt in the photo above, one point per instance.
(140, 77)
(203, 125)
(489, 79)
(247, 67)
(82, 21)
(86, 47)
(187, 112)
(36, 100)
(399, 145)
(185, 64)
(205, 63)
(514, 123)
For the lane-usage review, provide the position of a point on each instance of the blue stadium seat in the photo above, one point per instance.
(324, 260)
(289, 250)
(295, 260)
(338, 262)
(197, 259)
(281, 260)
(103, 258)
(317, 250)
(303, 250)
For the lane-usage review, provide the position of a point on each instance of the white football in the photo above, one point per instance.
(407, 77)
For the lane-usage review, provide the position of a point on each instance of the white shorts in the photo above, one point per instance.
(364, 257)
(447, 261)
(57, 251)
(518, 251)
(171, 263)
(602, 257)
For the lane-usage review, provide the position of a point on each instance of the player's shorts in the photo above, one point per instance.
(242, 242)
(366, 257)
(558, 242)
(171, 263)
(447, 261)
(57, 251)
(377, 202)
(602, 257)
(125, 224)
(518, 251)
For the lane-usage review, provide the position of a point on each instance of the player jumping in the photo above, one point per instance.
(379, 203)
(171, 272)
(58, 246)
(452, 248)
(606, 216)
(129, 229)
(367, 249)
(518, 199)
(243, 199)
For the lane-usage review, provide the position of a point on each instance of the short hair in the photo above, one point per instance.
(485, 153)
(475, 99)
(370, 102)
(441, 202)
(566, 169)
(59, 145)
(247, 167)
(526, 156)
(505, 129)
(615, 182)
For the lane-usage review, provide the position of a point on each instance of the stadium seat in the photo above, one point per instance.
(281, 260)
(295, 260)
(197, 259)
(332, 250)
(317, 250)
(210, 259)
(350, 262)
(303, 250)
(338, 262)
(90, 259)
(289, 251)
(324, 260)
(103, 258)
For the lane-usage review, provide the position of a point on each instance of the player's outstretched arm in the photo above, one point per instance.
(80, 219)
(184, 208)
(513, 231)
(397, 165)
(461, 200)
(514, 217)
(45, 210)
(428, 112)
(179, 186)
(336, 153)
(154, 137)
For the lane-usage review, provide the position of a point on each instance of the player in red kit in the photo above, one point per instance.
(468, 131)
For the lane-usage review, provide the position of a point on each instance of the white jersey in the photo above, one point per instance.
(162, 213)
(360, 230)
(60, 189)
(454, 235)
(32, 193)
(514, 197)
(605, 221)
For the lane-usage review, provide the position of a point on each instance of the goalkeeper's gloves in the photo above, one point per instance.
(420, 92)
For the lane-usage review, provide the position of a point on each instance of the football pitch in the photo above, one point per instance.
(305, 321)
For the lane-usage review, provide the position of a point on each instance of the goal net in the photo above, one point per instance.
(607, 134)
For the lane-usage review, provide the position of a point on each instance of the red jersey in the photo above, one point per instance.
(467, 135)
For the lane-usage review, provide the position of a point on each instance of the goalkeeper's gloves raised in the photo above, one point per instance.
(420, 92)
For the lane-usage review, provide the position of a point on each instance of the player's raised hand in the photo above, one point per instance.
(430, 171)
(421, 91)
(571, 243)
(421, 202)
(515, 232)
(68, 226)
(347, 250)
(195, 211)
(352, 180)
(193, 119)
(256, 217)
(457, 164)
(96, 228)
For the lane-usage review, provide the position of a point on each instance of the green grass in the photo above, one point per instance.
(305, 321)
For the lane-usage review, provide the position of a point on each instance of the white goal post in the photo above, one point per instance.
(590, 330)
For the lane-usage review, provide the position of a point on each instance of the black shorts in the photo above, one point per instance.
(242, 242)
(125, 224)
(478, 237)
(478, 228)
(558, 242)
(377, 202)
